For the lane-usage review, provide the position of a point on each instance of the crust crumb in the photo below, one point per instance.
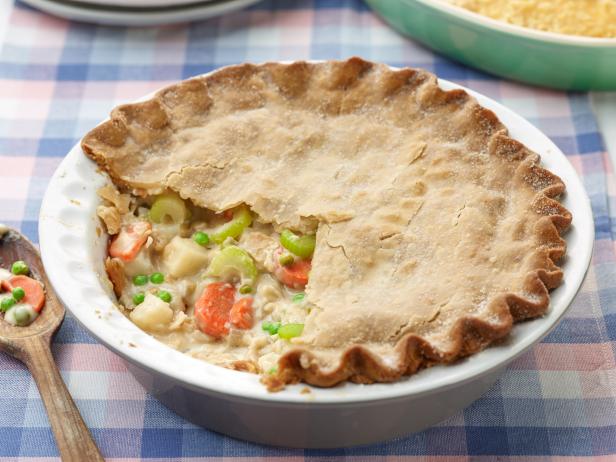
(115, 271)
(243, 366)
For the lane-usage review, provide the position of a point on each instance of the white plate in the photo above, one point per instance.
(110, 15)
(73, 257)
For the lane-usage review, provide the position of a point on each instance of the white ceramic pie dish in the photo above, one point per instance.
(235, 403)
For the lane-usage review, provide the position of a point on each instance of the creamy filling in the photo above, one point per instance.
(5, 275)
(21, 297)
(21, 314)
(219, 287)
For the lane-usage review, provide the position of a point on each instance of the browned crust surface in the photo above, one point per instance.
(120, 144)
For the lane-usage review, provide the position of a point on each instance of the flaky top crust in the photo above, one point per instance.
(435, 230)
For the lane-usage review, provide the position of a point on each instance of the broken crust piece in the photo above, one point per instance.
(435, 230)
(117, 204)
(115, 270)
(120, 201)
(111, 217)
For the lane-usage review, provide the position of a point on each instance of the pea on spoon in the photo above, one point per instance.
(31, 345)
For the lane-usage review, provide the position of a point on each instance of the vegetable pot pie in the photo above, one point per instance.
(323, 222)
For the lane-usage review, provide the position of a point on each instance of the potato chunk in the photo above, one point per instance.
(142, 264)
(152, 314)
(183, 257)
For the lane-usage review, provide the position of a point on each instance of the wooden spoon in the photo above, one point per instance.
(31, 345)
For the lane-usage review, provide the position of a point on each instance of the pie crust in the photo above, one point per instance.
(435, 230)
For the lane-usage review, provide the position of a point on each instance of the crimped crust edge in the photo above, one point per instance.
(148, 120)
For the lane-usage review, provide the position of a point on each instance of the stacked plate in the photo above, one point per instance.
(138, 12)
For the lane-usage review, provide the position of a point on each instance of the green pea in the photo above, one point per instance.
(286, 259)
(20, 267)
(140, 280)
(157, 278)
(22, 316)
(272, 370)
(270, 327)
(299, 297)
(7, 303)
(18, 293)
(289, 331)
(201, 238)
(245, 289)
(138, 298)
(164, 296)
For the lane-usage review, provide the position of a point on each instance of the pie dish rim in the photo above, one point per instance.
(343, 392)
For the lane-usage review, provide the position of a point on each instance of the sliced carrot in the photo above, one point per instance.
(213, 307)
(35, 295)
(127, 244)
(241, 313)
(294, 275)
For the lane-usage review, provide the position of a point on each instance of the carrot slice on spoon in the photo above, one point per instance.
(35, 294)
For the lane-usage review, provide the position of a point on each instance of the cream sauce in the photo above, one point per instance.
(272, 301)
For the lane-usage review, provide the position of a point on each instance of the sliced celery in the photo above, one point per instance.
(290, 330)
(298, 297)
(234, 228)
(233, 261)
(168, 208)
(302, 246)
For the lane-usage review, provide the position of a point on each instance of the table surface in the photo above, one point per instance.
(58, 79)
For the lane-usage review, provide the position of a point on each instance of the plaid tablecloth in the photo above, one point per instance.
(58, 79)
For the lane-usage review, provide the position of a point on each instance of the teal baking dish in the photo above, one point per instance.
(536, 57)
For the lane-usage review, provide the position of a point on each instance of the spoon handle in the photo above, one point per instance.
(74, 441)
